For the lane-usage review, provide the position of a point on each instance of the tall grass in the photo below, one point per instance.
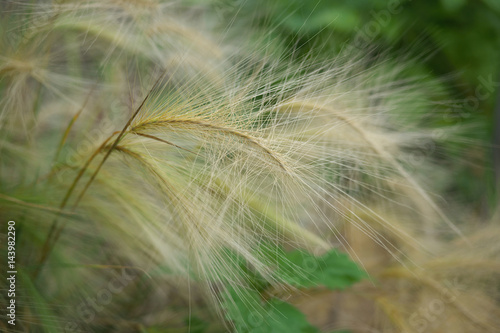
(137, 141)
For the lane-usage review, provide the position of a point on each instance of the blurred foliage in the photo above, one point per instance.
(465, 34)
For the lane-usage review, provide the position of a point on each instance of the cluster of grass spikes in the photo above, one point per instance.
(165, 176)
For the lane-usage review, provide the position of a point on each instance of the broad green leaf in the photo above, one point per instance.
(249, 313)
(299, 268)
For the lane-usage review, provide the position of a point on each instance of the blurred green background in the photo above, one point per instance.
(455, 41)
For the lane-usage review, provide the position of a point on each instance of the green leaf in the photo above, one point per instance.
(250, 314)
(299, 268)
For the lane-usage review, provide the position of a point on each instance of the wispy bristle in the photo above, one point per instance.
(130, 137)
